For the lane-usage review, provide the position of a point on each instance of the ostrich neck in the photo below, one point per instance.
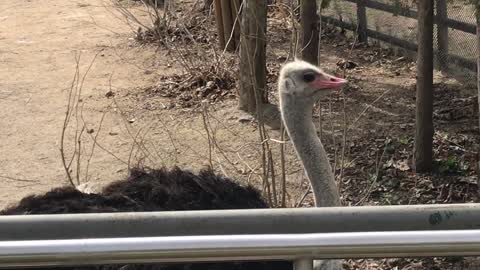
(297, 116)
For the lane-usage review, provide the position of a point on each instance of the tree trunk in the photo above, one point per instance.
(228, 25)
(309, 21)
(424, 101)
(236, 21)
(207, 4)
(253, 55)
(362, 22)
(477, 13)
(219, 22)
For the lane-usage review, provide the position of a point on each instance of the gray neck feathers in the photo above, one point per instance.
(297, 116)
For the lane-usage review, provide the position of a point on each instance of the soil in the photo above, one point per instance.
(39, 44)
(147, 105)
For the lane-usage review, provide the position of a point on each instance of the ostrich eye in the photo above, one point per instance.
(309, 77)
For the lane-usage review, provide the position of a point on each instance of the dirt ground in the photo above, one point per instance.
(38, 44)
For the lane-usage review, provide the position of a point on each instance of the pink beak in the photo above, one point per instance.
(328, 81)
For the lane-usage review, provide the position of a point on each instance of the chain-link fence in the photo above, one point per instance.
(393, 23)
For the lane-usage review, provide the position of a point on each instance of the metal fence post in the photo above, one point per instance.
(362, 21)
(303, 264)
(442, 34)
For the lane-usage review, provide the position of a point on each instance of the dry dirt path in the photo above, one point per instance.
(38, 43)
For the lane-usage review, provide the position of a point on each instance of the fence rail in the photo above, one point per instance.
(406, 12)
(441, 19)
(261, 234)
(251, 221)
(238, 247)
(458, 60)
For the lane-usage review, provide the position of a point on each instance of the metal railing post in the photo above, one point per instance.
(303, 264)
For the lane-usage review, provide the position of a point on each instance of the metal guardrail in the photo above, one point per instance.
(249, 221)
(254, 234)
(239, 247)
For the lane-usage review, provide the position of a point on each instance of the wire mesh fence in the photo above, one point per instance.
(393, 23)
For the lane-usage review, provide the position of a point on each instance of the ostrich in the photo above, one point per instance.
(153, 190)
(300, 85)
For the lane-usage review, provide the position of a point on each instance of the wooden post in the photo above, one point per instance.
(219, 22)
(477, 13)
(310, 35)
(424, 101)
(362, 21)
(442, 34)
(228, 25)
(253, 63)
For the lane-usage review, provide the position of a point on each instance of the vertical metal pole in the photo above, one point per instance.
(442, 34)
(362, 22)
(303, 264)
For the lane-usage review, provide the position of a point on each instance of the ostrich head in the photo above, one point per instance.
(304, 81)
(300, 84)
